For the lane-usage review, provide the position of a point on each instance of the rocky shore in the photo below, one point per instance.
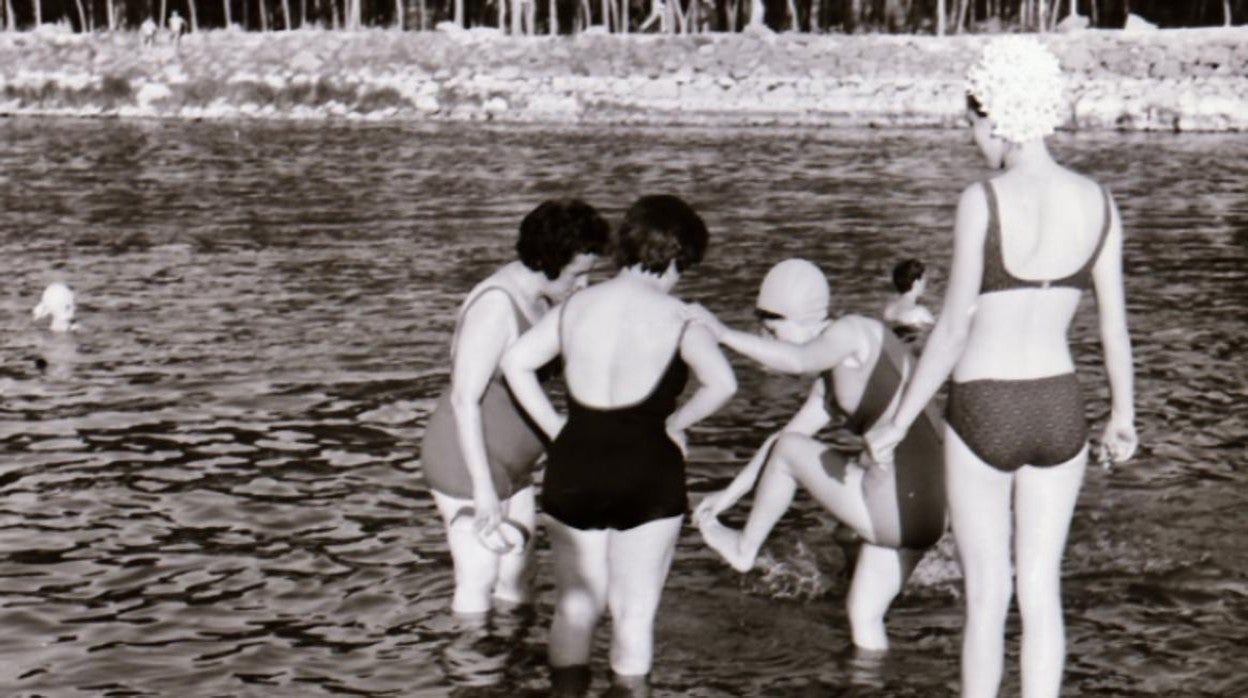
(1170, 80)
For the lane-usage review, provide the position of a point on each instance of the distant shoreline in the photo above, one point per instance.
(1185, 80)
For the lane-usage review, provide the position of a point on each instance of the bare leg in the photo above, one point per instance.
(476, 567)
(879, 577)
(979, 511)
(1044, 501)
(515, 571)
(794, 459)
(639, 560)
(580, 561)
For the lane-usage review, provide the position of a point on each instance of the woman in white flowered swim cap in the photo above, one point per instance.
(1027, 242)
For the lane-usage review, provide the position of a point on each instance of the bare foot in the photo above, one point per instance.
(725, 541)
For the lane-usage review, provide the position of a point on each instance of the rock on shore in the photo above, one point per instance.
(1173, 80)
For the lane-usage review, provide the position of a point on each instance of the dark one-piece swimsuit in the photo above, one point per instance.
(616, 468)
(1012, 423)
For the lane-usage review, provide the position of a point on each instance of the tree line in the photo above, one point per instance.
(623, 16)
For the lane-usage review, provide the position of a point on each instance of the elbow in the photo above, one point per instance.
(792, 365)
(463, 402)
(953, 335)
(1116, 341)
(511, 366)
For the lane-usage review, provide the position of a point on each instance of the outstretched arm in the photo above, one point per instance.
(1119, 440)
(535, 349)
(484, 331)
(948, 338)
(830, 348)
(808, 421)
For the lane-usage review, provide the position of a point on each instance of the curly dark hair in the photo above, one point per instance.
(906, 273)
(658, 230)
(557, 231)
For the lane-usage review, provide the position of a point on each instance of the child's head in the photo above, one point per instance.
(907, 274)
(793, 301)
(57, 302)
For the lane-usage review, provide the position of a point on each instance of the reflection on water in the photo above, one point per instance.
(212, 487)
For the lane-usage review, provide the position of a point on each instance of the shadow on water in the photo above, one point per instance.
(213, 488)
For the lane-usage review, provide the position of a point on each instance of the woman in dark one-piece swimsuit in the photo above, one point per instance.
(614, 491)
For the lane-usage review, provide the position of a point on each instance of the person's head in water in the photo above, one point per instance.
(58, 303)
(662, 235)
(793, 301)
(561, 238)
(909, 276)
(1015, 93)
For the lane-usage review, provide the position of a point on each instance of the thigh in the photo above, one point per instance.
(639, 561)
(1044, 502)
(979, 509)
(579, 559)
(831, 480)
(521, 507)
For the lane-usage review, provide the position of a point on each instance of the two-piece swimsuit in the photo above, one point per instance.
(906, 505)
(513, 442)
(617, 468)
(1012, 423)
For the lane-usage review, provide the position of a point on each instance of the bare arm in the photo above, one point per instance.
(717, 383)
(1119, 439)
(531, 351)
(948, 338)
(830, 348)
(484, 332)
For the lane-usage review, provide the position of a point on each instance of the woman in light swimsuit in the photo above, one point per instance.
(480, 448)
(898, 513)
(1027, 243)
(614, 491)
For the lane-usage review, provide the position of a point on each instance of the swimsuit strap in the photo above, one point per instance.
(1100, 243)
(994, 252)
(881, 386)
(996, 277)
(522, 321)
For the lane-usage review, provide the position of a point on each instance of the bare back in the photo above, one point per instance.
(617, 340)
(1050, 225)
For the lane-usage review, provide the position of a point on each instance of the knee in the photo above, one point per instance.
(785, 450)
(1039, 596)
(989, 595)
(579, 608)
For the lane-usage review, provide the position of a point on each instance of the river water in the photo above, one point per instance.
(212, 487)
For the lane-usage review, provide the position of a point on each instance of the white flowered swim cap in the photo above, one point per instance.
(1018, 82)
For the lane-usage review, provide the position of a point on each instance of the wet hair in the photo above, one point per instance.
(973, 104)
(658, 230)
(906, 273)
(557, 231)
